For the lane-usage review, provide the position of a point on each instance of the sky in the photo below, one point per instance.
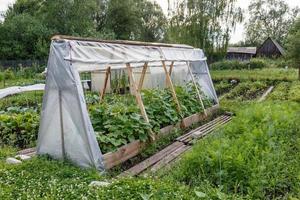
(237, 35)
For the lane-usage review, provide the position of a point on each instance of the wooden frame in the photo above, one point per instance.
(171, 86)
(107, 73)
(197, 90)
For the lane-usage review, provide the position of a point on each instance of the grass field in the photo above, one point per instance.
(256, 156)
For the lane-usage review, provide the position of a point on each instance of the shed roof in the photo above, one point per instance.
(246, 50)
(277, 45)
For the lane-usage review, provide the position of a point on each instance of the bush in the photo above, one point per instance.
(294, 92)
(257, 155)
(1, 76)
(228, 64)
(9, 74)
(256, 63)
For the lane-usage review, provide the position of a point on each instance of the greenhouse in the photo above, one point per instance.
(66, 130)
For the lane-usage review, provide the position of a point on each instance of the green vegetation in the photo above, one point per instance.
(256, 156)
(272, 74)
(254, 63)
(247, 90)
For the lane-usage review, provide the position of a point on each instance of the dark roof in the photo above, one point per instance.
(278, 46)
(247, 50)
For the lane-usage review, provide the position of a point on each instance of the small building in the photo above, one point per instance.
(270, 48)
(240, 53)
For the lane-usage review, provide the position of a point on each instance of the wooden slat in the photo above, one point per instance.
(169, 158)
(203, 131)
(124, 153)
(169, 81)
(152, 160)
(201, 127)
(197, 90)
(107, 73)
(142, 78)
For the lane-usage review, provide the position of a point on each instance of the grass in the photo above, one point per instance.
(255, 157)
(274, 74)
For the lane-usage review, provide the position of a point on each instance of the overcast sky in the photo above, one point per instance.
(238, 34)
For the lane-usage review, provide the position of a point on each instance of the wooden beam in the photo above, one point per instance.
(171, 68)
(170, 84)
(197, 90)
(142, 78)
(107, 73)
(138, 97)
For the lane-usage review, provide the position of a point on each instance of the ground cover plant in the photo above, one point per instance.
(254, 63)
(254, 157)
(273, 74)
(223, 86)
(247, 90)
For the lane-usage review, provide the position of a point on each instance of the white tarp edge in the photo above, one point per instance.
(20, 89)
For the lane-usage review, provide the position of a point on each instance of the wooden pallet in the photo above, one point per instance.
(173, 151)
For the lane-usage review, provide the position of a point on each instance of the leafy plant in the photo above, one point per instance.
(19, 130)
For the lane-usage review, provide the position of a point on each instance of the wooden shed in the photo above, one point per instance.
(270, 48)
(240, 53)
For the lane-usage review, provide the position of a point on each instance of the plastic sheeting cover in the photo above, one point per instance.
(65, 127)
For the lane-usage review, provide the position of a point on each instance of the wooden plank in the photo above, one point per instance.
(201, 128)
(142, 78)
(171, 68)
(107, 73)
(152, 160)
(124, 153)
(169, 158)
(169, 81)
(266, 93)
(197, 90)
(27, 151)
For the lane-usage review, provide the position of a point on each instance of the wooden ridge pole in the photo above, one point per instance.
(197, 90)
(142, 78)
(107, 73)
(171, 86)
(138, 97)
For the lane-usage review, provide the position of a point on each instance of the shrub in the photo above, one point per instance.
(256, 63)
(228, 64)
(9, 74)
(1, 76)
(257, 155)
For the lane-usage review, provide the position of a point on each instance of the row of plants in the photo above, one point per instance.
(224, 86)
(254, 63)
(116, 120)
(286, 91)
(247, 90)
(256, 156)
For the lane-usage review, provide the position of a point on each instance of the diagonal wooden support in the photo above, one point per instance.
(197, 90)
(138, 97)
(170, 84)
(142, 78)
(107, 73)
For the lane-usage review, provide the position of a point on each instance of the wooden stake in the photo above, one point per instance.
(197, 90)
(143, 76)
(107, 73)
(169, 82)
(171, 68)
(138, 97)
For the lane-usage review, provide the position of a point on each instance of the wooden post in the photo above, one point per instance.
(197, 90)
(107, 73)
(170, 71)
(61, 126)
(141, 82)
(171, 68)
(138, 97)
(169, 82)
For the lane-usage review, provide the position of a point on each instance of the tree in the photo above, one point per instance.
(293, 44)
(269, 18)
(205, 24)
